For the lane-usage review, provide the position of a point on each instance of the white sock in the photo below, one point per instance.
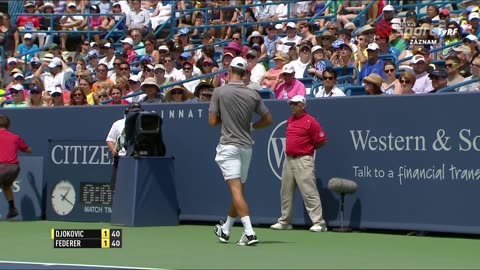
(227, 226)
(247, 225)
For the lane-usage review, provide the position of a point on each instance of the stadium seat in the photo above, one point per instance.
(354, 90)
(267, 94)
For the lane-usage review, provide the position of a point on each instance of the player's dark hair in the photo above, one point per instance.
(4, 121)
(238, 71)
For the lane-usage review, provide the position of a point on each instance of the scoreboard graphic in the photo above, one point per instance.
(77, 238)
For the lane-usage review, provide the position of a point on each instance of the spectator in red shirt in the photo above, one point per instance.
(303, 136)
(29, 23)
(10, 143)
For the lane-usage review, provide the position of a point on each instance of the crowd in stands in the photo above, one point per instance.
(292, 48)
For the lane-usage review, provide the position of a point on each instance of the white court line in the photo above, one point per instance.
(80, 265)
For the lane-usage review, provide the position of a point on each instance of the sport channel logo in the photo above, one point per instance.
(384, 29)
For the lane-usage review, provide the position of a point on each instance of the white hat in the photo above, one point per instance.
(288, 69)
(48, 4)
(418, 58)
(108, 45)
(254, 34)
(93, 43)
(150, 67)
(17, 87)
(18, 75)
(373, 47)
(55, 62)
(405, 68)
(298, 98)
(388, 8)
(57, 89)
(278, 26)
(239, 62)
(473, 15)
(396, 21)
(48, 57)
(27, 36)
(159, 66)
(292, 25)
(316, 48)
(12, 60)
(164, 48)
(134, 78)
(71, 4)
(127, 41)
(471, 37)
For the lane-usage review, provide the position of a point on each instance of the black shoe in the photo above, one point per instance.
(223, 237)
(247, 240)
(12, 213)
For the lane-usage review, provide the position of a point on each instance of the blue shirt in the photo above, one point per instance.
(370, 68)
(32, 51)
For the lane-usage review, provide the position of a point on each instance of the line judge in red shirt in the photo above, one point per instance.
(303, 136)
(10, 143)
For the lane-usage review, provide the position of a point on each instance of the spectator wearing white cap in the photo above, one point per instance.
(471, 41)
(109, 58)
(138, 18)
(292, 39)
(12, 64)
(127, 49)
(134, 83)
(60, 73)
(70, 22)
(289, 85)
(423, 84)
(463, 53)
(373, 64)
(18, 98)
(473, 20)
(27, 50)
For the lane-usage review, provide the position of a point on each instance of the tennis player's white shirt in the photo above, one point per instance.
(335, 92)
(115, 134)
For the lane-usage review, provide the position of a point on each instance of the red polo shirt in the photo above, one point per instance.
(303, 133)
(10, 144)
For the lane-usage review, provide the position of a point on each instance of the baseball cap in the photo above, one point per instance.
(116, 4)
(56, 90)
(18, 75)
(438, 73)
(411, 14)
(229, 54)
(35, 60)
(316, 48)
(92, 53)
(27, 36)
(239, 62)
(291, 25)
(134, 78)
(252, 52)
(163, 48)
(471, 38)
(373, 47)
(146, 57)
(159, 66)
(473, 15)
(445, 12)
(29, 4)
(388, 8)
(35, 88)
(72, 4)
(17, 87)
(288, 69)
(418, 58)
(270, 26)
(462, 48)
(297, 98)
(186, 55)
(12, 60)
(207, 60)
(55, 62)
(183, 31)
(278, 26)
(127, 41)
(107, 45)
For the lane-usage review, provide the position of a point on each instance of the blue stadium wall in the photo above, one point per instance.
(415, 158)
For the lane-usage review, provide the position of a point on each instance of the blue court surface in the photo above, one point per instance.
(51, 266)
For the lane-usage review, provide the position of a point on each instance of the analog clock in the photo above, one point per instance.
(63, 197)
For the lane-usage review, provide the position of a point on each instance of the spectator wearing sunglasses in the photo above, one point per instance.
(406, 82)
(452, 63)
(134, 86)
(102, 70)
(391, 82)
(188, 73)
(203, 92)
(35, 97)
(16, 92)
(475, 70)
(328, 89)
(289, 85)
(57, 97)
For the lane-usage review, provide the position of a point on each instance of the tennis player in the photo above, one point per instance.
(233, 106)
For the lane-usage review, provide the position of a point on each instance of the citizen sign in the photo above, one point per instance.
(276, 149)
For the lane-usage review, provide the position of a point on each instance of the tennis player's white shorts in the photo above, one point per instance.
(234, 161)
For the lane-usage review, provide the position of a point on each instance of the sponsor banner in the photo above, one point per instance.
(27, 190)
(79, 175)
(415, 159)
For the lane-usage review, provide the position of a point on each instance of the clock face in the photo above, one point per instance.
(63, 197)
